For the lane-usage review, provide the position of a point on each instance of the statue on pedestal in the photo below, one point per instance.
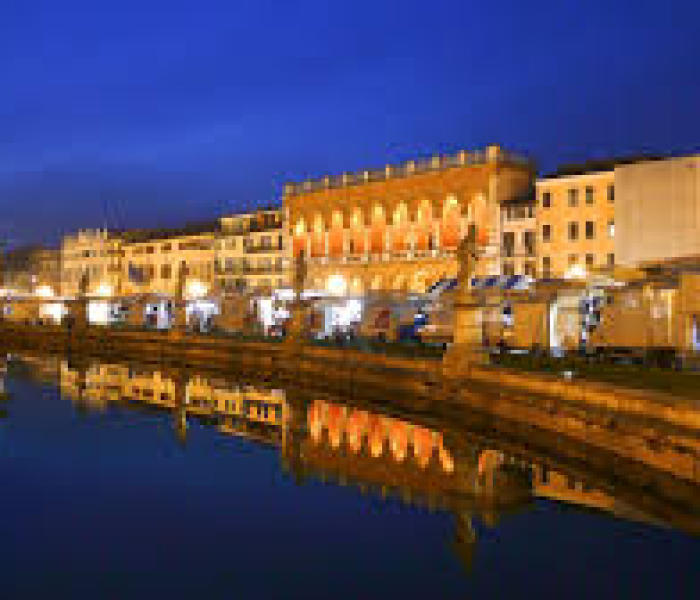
(467, 257)
(467, 347)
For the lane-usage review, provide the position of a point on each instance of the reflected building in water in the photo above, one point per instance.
(386, 455)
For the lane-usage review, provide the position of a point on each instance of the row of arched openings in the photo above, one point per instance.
(367, 230)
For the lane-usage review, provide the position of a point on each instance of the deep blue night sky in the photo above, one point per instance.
(152, 112)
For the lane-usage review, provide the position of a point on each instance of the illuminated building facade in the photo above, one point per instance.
(252, 252)
(398, 228)
(96, 252)
(152, 260)
(518, 237)
(575, 224)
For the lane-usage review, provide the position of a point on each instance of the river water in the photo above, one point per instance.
(120, 481)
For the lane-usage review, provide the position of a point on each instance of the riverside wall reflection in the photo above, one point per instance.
(423, 459)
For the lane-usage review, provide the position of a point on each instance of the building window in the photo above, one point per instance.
(589, 260)
(546, 266)
(529, 242)
(508, 269)
(165, 248)
(611, 193)
(546, 199)
(573, 259)
(546, 233)
(530, 269)
(573, 197)
(611, 259)
(589, 195)
(573, 231)
(165, 272)
(590, 230)
(611, 228)
(509, 243)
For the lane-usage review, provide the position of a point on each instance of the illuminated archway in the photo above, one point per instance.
(423, 225)
(318, 246)
(336, 285)
(335, 235)
(377, 229)
(399, 238)
(299, 242)
(450, 224)
(357, 232)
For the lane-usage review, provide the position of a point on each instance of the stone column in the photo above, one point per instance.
(179, 305)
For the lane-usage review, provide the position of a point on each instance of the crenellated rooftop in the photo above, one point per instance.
(438, 162)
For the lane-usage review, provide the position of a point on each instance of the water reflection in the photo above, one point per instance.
(419, 460)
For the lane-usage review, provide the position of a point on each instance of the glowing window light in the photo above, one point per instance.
(336, 285)
(53, 311)
(266, 312)
(104, 290)
(44, 291)
(575, 271)
(99, 313)
(196, 289)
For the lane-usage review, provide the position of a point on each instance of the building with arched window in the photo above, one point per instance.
(398, 228)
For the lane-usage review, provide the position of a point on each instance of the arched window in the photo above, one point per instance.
(450, 226)
(423, 226)
(318, 245)
(378, 228)
(399, 239)
(357, 231)
(335, 236)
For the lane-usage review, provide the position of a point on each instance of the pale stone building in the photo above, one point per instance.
(152, 260)
(518, 237)
(658, 211)
(575, 220)
(95, 252)
(253, 252)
